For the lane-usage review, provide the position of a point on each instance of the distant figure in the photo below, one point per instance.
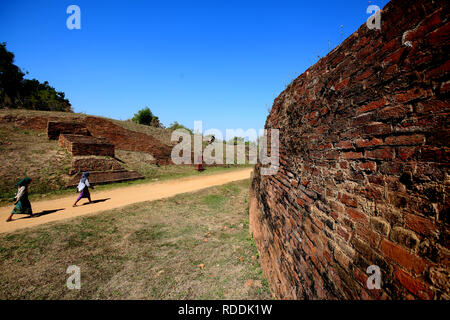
(22, 204)
(83, 187)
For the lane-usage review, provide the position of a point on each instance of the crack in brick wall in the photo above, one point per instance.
(364, 166)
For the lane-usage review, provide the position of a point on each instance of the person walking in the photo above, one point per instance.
(83, 188)
(21, 202)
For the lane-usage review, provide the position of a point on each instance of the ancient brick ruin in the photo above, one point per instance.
(128, 140)
(55, 128)
(364, 166)
(80, 164)
(92, 142)
(120, 137)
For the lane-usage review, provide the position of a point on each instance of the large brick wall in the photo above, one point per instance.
(364, 166)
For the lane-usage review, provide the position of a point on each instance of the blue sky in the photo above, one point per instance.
(222, 62)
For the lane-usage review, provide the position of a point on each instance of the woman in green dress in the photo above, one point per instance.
(22, 204)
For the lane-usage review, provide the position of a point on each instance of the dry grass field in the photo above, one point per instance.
(27, 153)
(192, 246)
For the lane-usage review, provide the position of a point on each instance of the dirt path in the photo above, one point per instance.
(59, 209)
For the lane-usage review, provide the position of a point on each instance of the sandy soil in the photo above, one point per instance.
(59, 209)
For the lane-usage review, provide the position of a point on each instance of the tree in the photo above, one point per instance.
(17, 92)
(144, 116)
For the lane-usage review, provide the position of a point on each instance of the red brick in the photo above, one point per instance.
(344, 83)
(421, 225)
(418, 288)
(325, 146)
(394, 112)
(332, 155)
(365, 75)
(343, 233)
(394, 57)
(345, 144)
(372, 106)
(387, 208)
(410, 95)
(357, 215)
(440, 36)
(378, 128)
(380, 154)
(402, 257)
(445, 88)
(440, 71)
(364, 143)
(410, 140)
(406, 153)
(371, 238)
(352, 155)
(433, 154)
(347, 200)
(389, 46)
(300, 202)
(370, 166)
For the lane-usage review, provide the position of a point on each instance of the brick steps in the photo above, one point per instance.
(81, 145)
(94, 163)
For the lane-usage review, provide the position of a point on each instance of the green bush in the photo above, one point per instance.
(144, 116)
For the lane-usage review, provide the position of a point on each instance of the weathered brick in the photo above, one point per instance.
(380, 225)
(347, 200)
(357, 215)
(394, 112)
(378, 128)
(439, 36)
(421, 225)
(418, 288)
(346, 144)
(406, 153)
(373, 105)
(365, 134)
(410, 95)
(402, 257)
(343, 84)
(369, 166)
(380, 154)
(364, 143)
(410, 140)
(352, 155)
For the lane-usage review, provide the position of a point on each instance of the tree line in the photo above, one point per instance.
(16, 92)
